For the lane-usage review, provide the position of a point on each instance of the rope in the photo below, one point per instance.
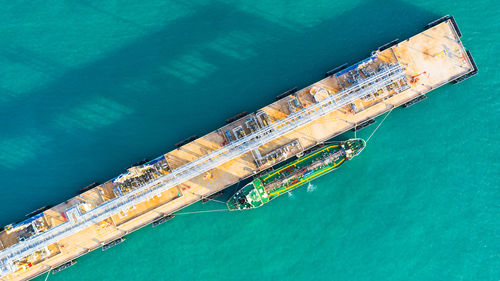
(198, 212)
(48, 274)
(367, 140)
(215, 200)
(206, 197)
(330, 142)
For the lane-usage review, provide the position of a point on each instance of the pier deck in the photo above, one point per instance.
(430, 59)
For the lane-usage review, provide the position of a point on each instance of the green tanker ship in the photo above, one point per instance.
(273, 184)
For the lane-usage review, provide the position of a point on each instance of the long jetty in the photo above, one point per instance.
(349, 97)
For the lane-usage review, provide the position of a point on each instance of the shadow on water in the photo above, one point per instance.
(184, 79)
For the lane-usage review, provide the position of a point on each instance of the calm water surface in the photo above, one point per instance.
(89, 87)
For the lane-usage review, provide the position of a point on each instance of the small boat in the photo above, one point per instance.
(63, 266)
(112, 243)
(162, 220)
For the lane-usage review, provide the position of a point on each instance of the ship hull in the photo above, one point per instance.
(295, 174)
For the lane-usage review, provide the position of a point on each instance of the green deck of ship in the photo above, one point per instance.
(298, 165)
(261, 191)
(292, 175)
(327, 168)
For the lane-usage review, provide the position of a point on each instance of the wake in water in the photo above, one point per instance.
(290, 195)
(311, 187)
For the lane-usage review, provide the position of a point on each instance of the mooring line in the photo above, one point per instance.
(47, 277)
(206, 197)
(198, 212)
(215, 200)
(367, 140)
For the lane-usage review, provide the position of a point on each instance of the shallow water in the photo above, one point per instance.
(88, 88)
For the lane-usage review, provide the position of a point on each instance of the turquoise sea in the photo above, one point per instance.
(89, 87)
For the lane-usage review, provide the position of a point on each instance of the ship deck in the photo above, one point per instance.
(305, 161)
(435, 56)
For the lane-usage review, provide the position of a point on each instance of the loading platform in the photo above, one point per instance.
(395, 74)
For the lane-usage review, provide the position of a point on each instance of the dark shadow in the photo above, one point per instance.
(139, 77)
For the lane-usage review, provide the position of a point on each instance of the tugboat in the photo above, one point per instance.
(310, 166)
